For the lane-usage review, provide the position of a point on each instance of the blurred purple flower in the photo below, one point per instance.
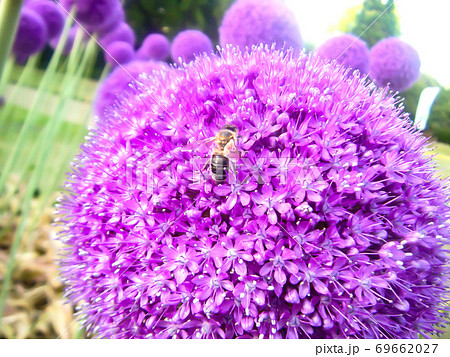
(350, 244)
(116, 17)
(188, 44)
(394, 62)
(51, 13)
(123, 32)
(347, 50)
(31, 35)
(96, 15)
(119, 53)
(154, 47)
(251, 22)
(111, 89)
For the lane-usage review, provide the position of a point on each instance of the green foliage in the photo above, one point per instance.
(412, 94)
(348, 20)
(32, 167)
(439, 121)
(375, 21)
(172, 16)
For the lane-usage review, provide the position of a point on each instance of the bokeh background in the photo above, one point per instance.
(50, 94)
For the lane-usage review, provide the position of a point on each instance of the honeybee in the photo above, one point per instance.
(225, 146)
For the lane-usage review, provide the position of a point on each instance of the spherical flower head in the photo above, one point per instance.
(119, 53)
(96, 15)
(118, 81)
(52, 15)
(347, 50)
(394, 62)
(251, 22)
(31, 34)
(154, 47)
(258, 194)
(116, 17)
(123, 33)
(189, 44)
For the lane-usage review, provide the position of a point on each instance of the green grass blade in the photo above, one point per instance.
(7, 71)
(9, 19)
(71, 83)
(30, 118)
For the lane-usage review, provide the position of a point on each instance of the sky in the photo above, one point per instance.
(422, 25)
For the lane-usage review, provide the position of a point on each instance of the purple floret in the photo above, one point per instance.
(154, 47)
(119, 53)
(31, 35)
(330, 221)
(51, 13)
(251, 22)
(189, 44)
(118, 81)
(123, 33)
(394, 62)
(347, 50)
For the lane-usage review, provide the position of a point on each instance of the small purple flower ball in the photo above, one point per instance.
(122, 32)
(31, 35)
(116, 17)
(188, 44)
(251, 22)
(94, 14)
(347, 50)
(262, 194)
(394, 62)
(119, 53)
(118, 81)
(52, 15)
(154, 47)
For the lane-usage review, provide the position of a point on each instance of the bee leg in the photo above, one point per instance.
(232, 174)
(208, 163)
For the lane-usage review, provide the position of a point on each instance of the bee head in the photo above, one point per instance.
(230, 127)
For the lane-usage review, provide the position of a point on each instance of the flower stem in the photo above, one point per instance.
(26, 129)
(70, 85)
(9, 19)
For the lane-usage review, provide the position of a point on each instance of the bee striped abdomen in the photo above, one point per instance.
(219, 167)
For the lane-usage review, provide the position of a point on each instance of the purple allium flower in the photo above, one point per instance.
(123, 33)
(119, 53)
(251, 22)
(96, 15)
(31, 35)
(116, 17)
(347, 50)
(52, 15)
(154, 47)
(189, 44)
(119, 80)
(395, 62)
(331, 222)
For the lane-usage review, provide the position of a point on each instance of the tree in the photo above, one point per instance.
(171, 16)
(412, 94)
(439, 120)
(348, 20)
(375, 21)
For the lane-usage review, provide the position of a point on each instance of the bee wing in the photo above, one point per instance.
(195, 145)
